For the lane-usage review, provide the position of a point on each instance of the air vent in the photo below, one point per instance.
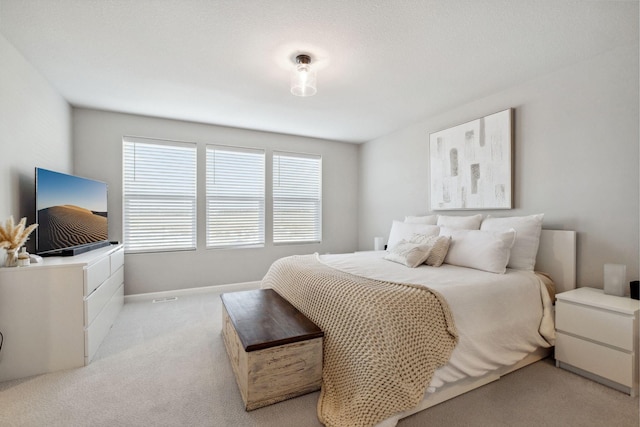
(168, 299)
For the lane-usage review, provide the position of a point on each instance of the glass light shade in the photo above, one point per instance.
(614, 279)
(303, 80)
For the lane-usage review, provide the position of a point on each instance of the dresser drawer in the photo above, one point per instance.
(95, 274)
(117, 260)
(614, 329)
(96, 302)
(606, 362)
(96, 332)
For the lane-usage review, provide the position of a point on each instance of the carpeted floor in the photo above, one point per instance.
(164, 364)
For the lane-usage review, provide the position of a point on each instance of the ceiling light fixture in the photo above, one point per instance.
(303, 78)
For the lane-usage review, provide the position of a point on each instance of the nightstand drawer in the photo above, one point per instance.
(604, 361)
(604, 326)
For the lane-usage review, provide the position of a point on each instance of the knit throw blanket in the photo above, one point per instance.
(383, 341)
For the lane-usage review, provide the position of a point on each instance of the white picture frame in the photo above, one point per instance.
(471, 165)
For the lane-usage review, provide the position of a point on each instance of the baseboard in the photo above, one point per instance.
(233, 287)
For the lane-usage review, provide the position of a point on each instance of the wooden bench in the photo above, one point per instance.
(275, 351)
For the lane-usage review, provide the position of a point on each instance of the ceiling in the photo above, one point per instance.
(382, 65)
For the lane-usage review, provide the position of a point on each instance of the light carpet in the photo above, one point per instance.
(164, 364)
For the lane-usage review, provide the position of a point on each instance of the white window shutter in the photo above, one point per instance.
(159, 192)
(235, 197)
(297, 198)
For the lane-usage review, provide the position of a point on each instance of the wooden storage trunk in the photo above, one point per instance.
(275, 351)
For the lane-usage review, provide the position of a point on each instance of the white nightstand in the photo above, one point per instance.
(597, 337)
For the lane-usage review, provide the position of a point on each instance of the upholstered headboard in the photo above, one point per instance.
(557, 257)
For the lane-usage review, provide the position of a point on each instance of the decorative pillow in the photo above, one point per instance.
(404, 230)
(429, 219)
(482, 250)
(471, 222)
(439, 246)
(409, 254)
(525, 248)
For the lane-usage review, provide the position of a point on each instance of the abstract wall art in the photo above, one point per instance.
(471, 164)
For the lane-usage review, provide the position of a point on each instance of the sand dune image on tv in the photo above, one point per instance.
(68, 226)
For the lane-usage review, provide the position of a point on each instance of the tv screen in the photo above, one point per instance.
(71, 213)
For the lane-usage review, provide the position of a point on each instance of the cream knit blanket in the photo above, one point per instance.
(382, 343)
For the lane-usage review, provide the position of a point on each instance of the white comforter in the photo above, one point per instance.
(500, 317)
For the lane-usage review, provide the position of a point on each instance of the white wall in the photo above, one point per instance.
(576, 160)
(35, 131)
(97, 137)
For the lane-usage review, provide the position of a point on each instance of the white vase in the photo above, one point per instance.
(12, 258)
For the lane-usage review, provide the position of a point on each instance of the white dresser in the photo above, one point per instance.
(55, 314)
(597, 337)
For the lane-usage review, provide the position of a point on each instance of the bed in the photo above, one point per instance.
(479, 345)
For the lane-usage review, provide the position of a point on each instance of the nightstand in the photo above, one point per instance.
(597, 337)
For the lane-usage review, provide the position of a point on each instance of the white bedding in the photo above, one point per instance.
(500, 317)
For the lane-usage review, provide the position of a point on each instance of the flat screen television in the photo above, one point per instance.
(71, 213)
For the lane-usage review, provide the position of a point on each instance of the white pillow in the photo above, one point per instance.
(409, 254)
(405, 230)
(525, 248)
(482, 250)
(471, 222)
(429, 219)
(439, 247)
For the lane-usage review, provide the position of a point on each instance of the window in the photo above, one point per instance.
(159, 195)
(297, 198)
(235, 196)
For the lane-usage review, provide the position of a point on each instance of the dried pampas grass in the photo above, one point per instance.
(14, 236)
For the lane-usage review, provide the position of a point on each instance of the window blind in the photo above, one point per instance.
(297, 198)
(235, 196)
(159, 195)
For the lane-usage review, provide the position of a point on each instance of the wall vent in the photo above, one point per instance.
(167, 299)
